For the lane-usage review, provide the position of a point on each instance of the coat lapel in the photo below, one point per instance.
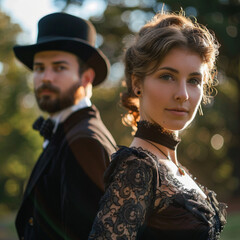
(48, 154)
(41, 164)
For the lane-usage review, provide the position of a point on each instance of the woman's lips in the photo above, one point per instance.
(177, 111)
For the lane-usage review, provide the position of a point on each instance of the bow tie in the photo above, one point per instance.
(45, 127)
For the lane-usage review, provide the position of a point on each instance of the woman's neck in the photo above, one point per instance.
(156, 139)
(155, 133)
(170, 153)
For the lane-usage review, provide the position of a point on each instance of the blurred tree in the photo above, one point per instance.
(64, 4)
(107, 100)
(213, 140)
(19, 145)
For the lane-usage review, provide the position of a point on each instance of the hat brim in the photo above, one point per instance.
(91, 56)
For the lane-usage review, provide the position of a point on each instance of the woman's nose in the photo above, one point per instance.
(181, 94)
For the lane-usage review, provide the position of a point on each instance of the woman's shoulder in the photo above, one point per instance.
(139, 154)
(127, 158)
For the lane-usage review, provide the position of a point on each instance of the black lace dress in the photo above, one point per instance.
(143, 200)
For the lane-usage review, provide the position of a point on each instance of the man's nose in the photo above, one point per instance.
(47, 76)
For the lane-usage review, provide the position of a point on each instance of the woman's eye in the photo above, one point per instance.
(195, 81)
(166, 77)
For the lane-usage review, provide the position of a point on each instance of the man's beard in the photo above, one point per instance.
(61, 101)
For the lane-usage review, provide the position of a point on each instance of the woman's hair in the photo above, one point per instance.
(153, 42)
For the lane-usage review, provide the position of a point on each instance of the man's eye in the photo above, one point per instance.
(60, 68)
(38, 68)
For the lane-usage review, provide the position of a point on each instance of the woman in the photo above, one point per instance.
(149, 194)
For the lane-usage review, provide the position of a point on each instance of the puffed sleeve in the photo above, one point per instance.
(128, 198)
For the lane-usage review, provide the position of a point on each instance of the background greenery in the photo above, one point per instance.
(210, 146)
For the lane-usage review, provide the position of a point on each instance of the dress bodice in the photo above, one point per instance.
(143, 200)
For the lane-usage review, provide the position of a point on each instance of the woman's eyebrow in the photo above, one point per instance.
(176, 71)
(168, 68)
(195, 73)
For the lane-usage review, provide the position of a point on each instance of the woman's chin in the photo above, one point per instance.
(175, 127)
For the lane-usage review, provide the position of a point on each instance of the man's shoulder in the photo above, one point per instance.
(87, 124)
(83, 122)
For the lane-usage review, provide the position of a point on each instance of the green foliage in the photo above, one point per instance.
(210, 147)
(107, 101)
(19, 145)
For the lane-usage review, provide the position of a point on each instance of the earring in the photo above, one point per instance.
(138, 93)
(200, 111)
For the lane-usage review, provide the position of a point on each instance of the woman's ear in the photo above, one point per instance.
(136, 85)
(87, 77)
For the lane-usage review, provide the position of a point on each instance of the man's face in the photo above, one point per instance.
(56, 79)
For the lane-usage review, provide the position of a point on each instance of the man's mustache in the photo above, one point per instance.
(47, 86)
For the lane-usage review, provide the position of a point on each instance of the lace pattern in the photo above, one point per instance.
(127, 198)
(136, 184)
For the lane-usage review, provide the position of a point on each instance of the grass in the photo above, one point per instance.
(232, 228)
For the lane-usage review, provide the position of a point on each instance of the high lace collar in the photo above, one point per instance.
(155, 133)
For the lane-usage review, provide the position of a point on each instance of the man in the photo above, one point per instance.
(62, 195)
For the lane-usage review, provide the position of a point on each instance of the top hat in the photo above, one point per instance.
(64, 32)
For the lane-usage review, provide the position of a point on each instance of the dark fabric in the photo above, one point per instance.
(144, 201)
(66, 184)
(45, 127)
(155, 133)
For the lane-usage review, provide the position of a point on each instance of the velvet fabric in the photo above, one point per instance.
(66, 184)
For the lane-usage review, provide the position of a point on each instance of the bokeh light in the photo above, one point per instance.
(1, 67)
(12, 187)
(191, 11)
(132, 3)
(217, 141)
(117, 71)
(28, 100)
(232, 31)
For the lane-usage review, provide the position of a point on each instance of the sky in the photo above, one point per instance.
(27, 13)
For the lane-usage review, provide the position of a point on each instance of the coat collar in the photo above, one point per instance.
(48, 153)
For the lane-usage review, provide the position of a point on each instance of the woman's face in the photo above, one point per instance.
(171, 95)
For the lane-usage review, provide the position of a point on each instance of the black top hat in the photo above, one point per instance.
(64, 32)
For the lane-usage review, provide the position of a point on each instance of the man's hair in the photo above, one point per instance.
(82, 66)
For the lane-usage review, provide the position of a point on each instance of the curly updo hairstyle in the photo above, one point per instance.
(153, 42)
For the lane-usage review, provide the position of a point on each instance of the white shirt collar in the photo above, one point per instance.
(61, 116)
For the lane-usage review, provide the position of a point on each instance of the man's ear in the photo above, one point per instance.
(87, 77)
